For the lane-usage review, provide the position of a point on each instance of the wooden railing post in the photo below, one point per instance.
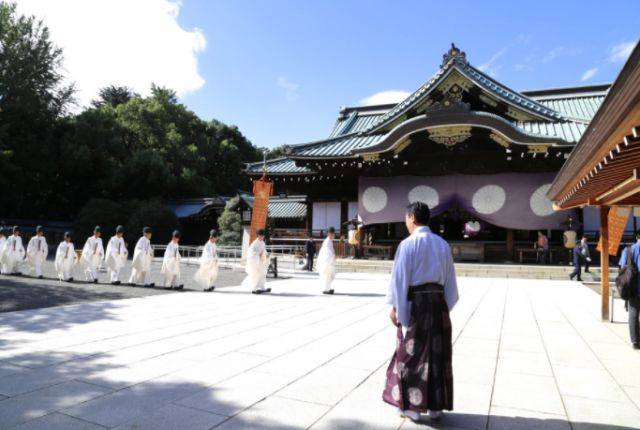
(604, 262)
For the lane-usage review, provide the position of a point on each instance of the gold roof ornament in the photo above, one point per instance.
(456, 54)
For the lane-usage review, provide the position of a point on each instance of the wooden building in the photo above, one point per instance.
(481, 154)
(604, 169)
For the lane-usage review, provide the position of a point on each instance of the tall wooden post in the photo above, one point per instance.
(604, 262)
(510, 243)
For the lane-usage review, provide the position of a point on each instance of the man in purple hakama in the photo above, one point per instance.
(422, 291)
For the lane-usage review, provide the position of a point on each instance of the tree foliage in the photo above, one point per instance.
(155, 215)
(230, 223)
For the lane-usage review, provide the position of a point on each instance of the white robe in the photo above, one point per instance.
(421, 258)
(256, 266)
(92, 255)
(116, 257)
(3, 266)
(171, 265)
(327, 264)
(141, 264)
(14, 254)
(65, 260)
(37, 252)
(208, 272)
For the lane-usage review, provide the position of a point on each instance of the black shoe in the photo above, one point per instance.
(95, 281)
(579, 279)
(266, 290)
(636, 346)
(152, 285)
(179, 287)
(115, 283)
(40, 277)
(587, 271)
(168, 288)
(328, 291)
(256, 292)
(70, 280)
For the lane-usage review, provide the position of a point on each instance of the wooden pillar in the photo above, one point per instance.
(344, 217)
(309, 222)
(510, 244)
(604, 262)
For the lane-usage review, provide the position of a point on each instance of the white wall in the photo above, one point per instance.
(352, 210)
(325, 215)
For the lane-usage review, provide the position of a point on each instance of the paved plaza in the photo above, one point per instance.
(528, 354)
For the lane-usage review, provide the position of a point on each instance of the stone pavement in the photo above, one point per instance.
(528, 354)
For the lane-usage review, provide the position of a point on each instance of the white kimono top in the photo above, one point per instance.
(65, 256)
(93, 251)
(117, 253)
(14, 249)
(421, 258)
(37, 248)
(142, 255)
(256, 257)
(3, 242)
(327, 257)
(171, 260)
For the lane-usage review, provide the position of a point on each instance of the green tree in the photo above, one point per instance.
(230, 223)
(103, 212)
(153, 214)
(114, 95)
(33, 96)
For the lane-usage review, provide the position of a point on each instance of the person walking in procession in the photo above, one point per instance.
(257, 265)
(3, 242)
(584, 250)
(633, 304)
(92, 254)
(14, 254)
(116, 255)
(422, 291)
(142, 260)
(37, 251)
(327, 262)
(208, 271)
(66, 258)
(578, 259)
(171, 263)
(310, 250)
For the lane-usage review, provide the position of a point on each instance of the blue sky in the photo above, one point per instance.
(281, 69)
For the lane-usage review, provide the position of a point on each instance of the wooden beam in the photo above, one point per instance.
(621, 191)
(604, 262)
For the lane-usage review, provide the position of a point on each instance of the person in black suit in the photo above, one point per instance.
(310, 250)
(578, 258)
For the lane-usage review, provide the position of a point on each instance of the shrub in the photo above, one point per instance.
(230, 224)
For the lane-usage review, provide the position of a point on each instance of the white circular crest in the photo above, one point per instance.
(395, 393)
(374, 199)
(540, 204)
(415, 396)
(424, 194)
(409, 346)
(489, 199)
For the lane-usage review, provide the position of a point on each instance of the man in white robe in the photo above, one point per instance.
(422, 291)
(116, 255)
(92, 255)
(257, 265)
(3, 242)
(171, 263)
(66, 259)
(37, 251)
(327, 262)
(142, 261)
(14, 253)
(208, 271)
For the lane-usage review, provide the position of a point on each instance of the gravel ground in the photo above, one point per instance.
(25, 292)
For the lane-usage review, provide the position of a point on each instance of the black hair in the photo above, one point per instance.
(176, 233)
(39, 229)
(331, 230)
(67, 234)
(146, 230)
(96, 229)
(420, 212)
(261, 232)
(638, 234)
(16, 229)
(213, 233)
(119, 229)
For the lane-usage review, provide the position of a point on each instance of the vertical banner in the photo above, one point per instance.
(262, 189)
(618, 217)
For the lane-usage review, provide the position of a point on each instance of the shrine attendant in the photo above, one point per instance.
(422, 291)
(257, 265)
(92, 254)
(171, 263)
(37, 251)
(3, 242)
(66, 258)
(142, 260)
(208, 271)
(116, 255)
(327, 262)
(14, 254)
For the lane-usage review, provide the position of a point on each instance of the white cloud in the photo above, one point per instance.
(290, 88)
(122, 42)
(621, 52)
(384, 97)
(588, 74)
(489, 66)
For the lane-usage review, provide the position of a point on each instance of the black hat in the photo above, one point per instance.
(213, 233)
(96, 229)
(261, 232)
(146, 230)
(67, 234)
(16, 229)
(39, 229)
(331, 230)
(176, 233)
(119, 229)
